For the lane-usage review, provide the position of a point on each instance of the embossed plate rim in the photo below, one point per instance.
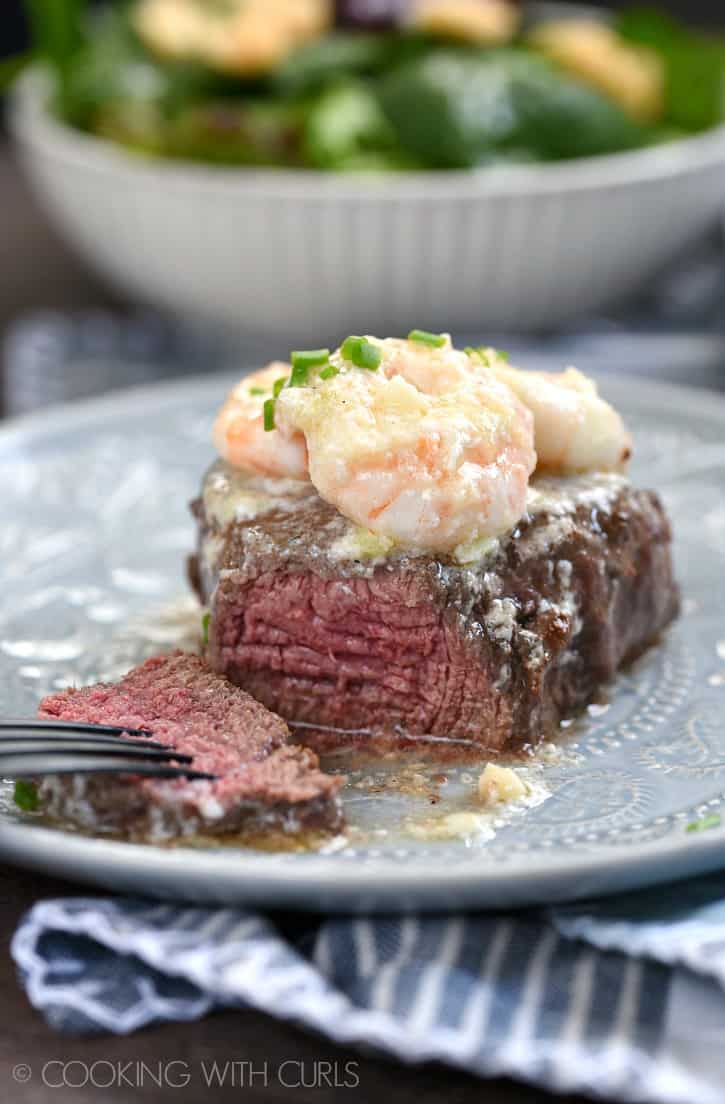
(322, 881)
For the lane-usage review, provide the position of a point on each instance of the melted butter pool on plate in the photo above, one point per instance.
(402, 800)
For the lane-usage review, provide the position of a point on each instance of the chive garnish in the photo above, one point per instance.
(310, 358)
(368, 356)
(299, 376)
(349, 345)
(484, 354)
(205, 628)
(330, 372)
(302, 361)
(25, 796)
(278, 385)
(362, 353)
(257, 391)
(712, 820)
(268, 415)
(423, 337)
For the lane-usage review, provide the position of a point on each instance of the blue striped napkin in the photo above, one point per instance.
(621, 998)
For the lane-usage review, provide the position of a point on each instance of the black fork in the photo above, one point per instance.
(30, 748)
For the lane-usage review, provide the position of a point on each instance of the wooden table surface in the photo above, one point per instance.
(40, 273)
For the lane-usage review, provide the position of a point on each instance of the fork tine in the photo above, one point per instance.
(131, 749)
(30, 766)
(29, 736)
(34, 725)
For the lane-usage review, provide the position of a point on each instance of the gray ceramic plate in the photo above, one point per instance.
(93, 537)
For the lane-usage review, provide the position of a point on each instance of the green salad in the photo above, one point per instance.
(432, 84)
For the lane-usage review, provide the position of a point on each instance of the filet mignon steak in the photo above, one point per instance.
(493, 648)
(263, 780)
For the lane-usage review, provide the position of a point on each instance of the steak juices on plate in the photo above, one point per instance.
(402, 545)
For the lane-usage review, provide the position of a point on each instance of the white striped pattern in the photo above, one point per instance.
(579, 1001)
(475, 1016)
(617, 1057)
(364, 936)
(384, 988)
(535, 980)
(428, 998)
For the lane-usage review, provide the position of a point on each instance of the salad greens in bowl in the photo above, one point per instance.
(434, 84)
(304, 167)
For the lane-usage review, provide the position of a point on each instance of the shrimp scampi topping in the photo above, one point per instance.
(575, 429)
(239, 430)
(414, 440)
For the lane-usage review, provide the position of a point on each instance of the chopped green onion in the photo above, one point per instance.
(205, 628)
(330, 372)
(278, 385)
(436, 341)
(710, 821)
(302, 361)
(349, 345)
(362, 353)
(310, 358)
(369, 356)
(299, 376)
(25, 796)
(257, 391)
(269, 415)
(485, 354)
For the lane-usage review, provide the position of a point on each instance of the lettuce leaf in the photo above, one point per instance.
(459, 109)
(694, 66)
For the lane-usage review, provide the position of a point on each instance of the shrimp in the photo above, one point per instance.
(239, 433)
(423, 451)
(418, 442)
(575, 430)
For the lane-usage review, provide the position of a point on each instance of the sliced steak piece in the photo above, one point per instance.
(496, 650)
(263, 781)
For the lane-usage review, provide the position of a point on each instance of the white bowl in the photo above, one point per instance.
(312, 255)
